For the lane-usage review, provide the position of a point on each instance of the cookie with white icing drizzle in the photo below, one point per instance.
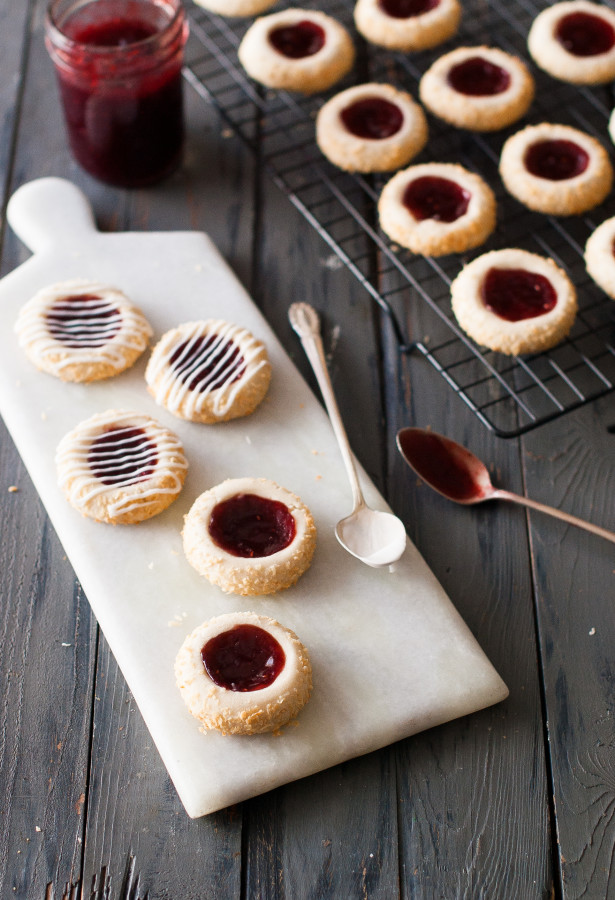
(82, 331)
(208, 371)
(120, 467)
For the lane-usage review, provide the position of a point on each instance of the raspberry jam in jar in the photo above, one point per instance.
(118, 64)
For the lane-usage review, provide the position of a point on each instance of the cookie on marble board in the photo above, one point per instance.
(407, 25)
(300, 50)
(82, 331)
(120, 467)
(556, 169)
(514, 302)
(574, 41)
(249, 536)
(437, 208)
(478, 88)
(242, 673)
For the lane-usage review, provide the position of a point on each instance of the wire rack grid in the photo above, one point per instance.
(510, 395)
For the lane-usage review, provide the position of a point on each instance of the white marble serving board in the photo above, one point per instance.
(390, 654)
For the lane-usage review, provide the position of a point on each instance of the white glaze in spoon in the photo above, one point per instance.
(458, 475)
(376, 538)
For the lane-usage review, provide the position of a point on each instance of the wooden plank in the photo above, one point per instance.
(570, 464)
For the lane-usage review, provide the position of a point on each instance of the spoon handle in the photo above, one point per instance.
(306, 322)
(556, 513)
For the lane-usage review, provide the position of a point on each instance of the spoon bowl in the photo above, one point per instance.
(451, 470)
(375, 537)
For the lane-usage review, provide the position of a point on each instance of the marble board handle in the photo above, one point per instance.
(49, 212)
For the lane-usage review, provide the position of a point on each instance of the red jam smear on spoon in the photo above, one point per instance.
(249, 526)
(83, 320)
(122, 456)
(207, 363)
(305, 38)
(372, 118)
(431, 197)
(407, 9)
(556, 160)
(443, 468)
(584, 34)
(478, 77)
(516, 294)
(244, 658)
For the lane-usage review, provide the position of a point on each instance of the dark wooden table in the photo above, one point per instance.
(515, 802)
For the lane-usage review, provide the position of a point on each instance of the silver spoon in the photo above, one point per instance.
(458, 475)
(376, 538)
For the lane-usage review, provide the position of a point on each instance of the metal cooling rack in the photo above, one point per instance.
(510, 395)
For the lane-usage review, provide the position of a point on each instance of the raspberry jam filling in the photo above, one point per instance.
(556, 160)
(297, 41)
(372, 118)
(584, 34)
(438, 465)
(477, 77)
(207, 363)
(406, 9)
(122, 456)
(245, 658)
(83, 320)
(516, 294)
(431, 197)
(249, 526)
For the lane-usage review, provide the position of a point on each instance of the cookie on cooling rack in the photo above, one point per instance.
(120, 467)
(297, 50)
(236, 8)
(209, 371)
(437, 208)
(82, 331)
(478, 88)
(513, 301)
(249, 536)
(242, 673)
(407, 25)
(556, 169)
(600, 256)
(574, 41)
(371, 128)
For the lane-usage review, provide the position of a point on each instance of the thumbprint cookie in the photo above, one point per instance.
(600, 256)
(478, 88)
(297, 50)
(556, 169)
(514, 302)
(371, 128)
(209, 371)
(120, 467)
(249, 536)
(236, 8)
(241, 673)
(407, 24)
(574, 41)
(82, 331)
(437, 208)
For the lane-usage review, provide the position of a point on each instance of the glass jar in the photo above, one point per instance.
(118, 64)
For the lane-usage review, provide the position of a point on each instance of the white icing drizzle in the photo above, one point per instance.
(172, 391)
(102, 338)
(75, 452)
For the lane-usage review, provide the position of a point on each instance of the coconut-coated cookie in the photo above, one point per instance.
(437, 208)
(236, 8)
(556, 169)
(120, 467)
(297, 50)
(242, 673)
(82, 331)
(514, 301)
(209, 371)
(249, 536)
(575, 41)
(478, 88)
(371, 128)
(407, 25)
(600, 258)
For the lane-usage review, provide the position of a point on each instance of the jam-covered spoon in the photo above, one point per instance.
(458, 475)
(376, 538)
